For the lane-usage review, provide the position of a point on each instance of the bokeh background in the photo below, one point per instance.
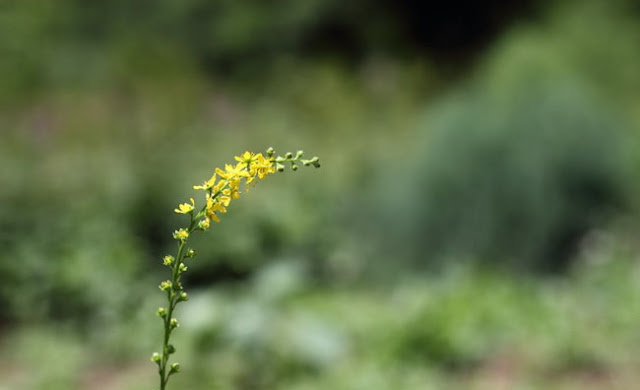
(474, 224)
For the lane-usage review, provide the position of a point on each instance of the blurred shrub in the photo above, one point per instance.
(516, 179)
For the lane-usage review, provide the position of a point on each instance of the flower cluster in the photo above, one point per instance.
(223, 186)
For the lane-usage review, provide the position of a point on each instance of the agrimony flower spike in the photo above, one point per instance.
(224, 186)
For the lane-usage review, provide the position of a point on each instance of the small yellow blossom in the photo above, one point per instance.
(207, 184)
(262, 167)
(232, 172)
(185, 208)
(214, 205)
(246, 159)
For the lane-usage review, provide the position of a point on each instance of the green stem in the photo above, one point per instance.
(172, 296)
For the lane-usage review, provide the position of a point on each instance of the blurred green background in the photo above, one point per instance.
(474, 224)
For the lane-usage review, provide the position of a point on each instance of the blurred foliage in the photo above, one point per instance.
(75, 44)
(94, 179)
(521, 179)
(457, 329)
(519, 164)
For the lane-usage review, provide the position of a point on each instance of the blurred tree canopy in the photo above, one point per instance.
(76, 42)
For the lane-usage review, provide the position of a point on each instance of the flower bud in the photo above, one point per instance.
(173, 323)
(166, 285)
(299, 154)
(279, 167)
(315, 161)
(162, 312)
(288, 156)
(270, 152)
(181, 234)
(204, 224)
(294, 167)
(190, 253)
(171, 349)
(182, 268)
(175, 367)
(183, 297)
(156, 357)
(168, 260)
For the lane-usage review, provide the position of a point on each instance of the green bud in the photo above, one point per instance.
(156, 357)
(288, 156)
(270, 152)
(173, 323)
(175, 367)
(280, 159)
(171, 349)
(190, 253)
(294, 167)
(166, 285)
(183, 297)
(162, 312)
(315, 161)
(279, 167)
(182, 268)
(299, 154)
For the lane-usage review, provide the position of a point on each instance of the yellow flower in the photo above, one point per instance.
(207, 184)
(246, 159)
(231, 172)
(216, 205)
(262, 166)
(185, 208)
(225, 200)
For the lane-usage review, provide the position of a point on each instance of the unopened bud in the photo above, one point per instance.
(183, 296)
(156, 357)
(173, 323)
(204, 224)
(315, 161)
(162, 312)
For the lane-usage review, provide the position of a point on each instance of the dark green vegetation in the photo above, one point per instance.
(473, 224)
